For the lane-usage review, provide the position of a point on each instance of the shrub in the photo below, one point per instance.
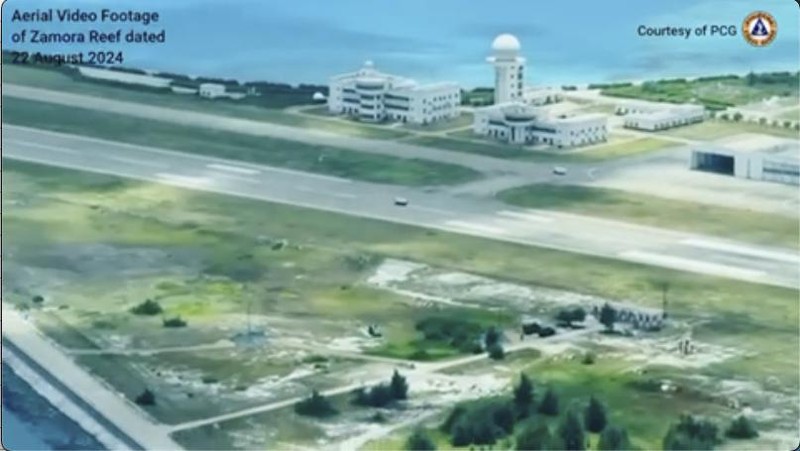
(741, 428)
(315, 405)
(613, 439)
(174, 322)
(146, 398)
(419, 441)
(148, 307)
(496, 352)
(38, 299)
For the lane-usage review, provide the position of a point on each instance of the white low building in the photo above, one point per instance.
(373, 96)
(750, 156)
(518, 123)
(653, 116)
(212, 90)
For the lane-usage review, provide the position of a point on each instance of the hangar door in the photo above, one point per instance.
(712, 162)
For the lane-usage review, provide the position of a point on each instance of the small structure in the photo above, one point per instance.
(654, 116)
(212, 90)
(318, 97)
(750, 156)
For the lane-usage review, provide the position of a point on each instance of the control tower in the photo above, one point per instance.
(509, 69)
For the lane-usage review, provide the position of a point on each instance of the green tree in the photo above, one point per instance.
(737, 116)
(462, 435)
(741, 427)
(146, 398)
(496, 352)
(533, 436)
(608, 316)
(595, 417)
(691, 433)
(419, 441)
(38, 299)
(523, 396)
(549, 404)
(571, 433)
(492, 337)
(315, 405)
(398, 386)
(613, 439)
(148, 307)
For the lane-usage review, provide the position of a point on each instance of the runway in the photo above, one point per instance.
(486, 218)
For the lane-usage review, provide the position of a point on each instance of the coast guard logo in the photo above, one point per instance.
(759, 28)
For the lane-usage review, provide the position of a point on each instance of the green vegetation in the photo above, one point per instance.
(549, 405)
(253, 149)
(691, 433)
(756, 227)
(616, 148)
(608, 316)
(533, 436)
(382, 395)
(174, 322)
(571, 432)
(714, 129)
(595, 417)
(419, 441)
(567, 316)
(315, 405)
(714, 93)
(614, 438)
(741, 428)
(146, 398)
(148, 307)
(260, 108)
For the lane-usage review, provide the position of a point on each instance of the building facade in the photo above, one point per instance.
(748, 156)
(509, 69)
(653, 116)
(373, 96)
(518, 123)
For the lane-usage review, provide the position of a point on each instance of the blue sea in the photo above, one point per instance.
(30, 423)
(307, 41)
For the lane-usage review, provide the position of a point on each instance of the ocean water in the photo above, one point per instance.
(30, 423)
(568, 41)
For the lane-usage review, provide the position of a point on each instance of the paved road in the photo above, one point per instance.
(112, 406)
(252, 127)
(485, 218)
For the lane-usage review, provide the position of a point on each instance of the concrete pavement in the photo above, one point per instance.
(485, 218)
(112, 406)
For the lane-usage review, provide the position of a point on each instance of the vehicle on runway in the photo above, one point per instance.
(559, 170)
(400, 201)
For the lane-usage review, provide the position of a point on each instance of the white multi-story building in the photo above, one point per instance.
(518, 123)
(509, 69)
(653, 116)
(517, 118)
(373, 96)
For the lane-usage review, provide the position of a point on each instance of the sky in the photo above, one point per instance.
(443, 40)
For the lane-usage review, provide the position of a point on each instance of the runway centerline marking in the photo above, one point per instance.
(41, 146)
(743, 250)
(689, 264)
(236, 169)
(475, 227)
(533, 217)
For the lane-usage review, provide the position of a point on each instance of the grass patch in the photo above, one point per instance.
(732, 223)
(267, 111)
(714, 129)
(254, 149)
(620, 149)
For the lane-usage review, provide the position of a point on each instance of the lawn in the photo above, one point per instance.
(254, 149)
(756, 227)
(714, 129)
(712, 92)
(59, 81)
(617, 147)
(100, 245)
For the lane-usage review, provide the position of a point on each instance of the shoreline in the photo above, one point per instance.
(36, 422)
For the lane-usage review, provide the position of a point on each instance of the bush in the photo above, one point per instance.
(588, 358)
(315, 405)
(496, 352)
(480, 422)
(741, 428)
(148, 307)
(398, 386)
(571, 432)
(534, 436)
(531, 328)
(146, 398)
(595, 417)
(174, 322)
(546, 331)
(419, 441)
(691, 434)
(614, 439)
(38, 299)
(455, 332)
(549, 403)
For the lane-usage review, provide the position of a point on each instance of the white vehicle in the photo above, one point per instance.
(559, 170)
(400, 201)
